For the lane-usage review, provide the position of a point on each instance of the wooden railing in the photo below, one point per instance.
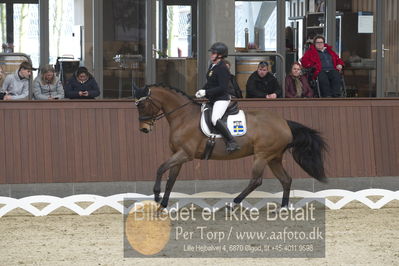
(84, 141)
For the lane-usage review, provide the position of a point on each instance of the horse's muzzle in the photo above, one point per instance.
(145, 130)
(145, 127)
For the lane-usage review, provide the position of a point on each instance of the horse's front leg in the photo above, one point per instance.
(174, 163)
(173, 173)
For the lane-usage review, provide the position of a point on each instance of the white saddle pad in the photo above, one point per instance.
(237, 125)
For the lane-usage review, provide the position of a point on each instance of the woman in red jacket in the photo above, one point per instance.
(327, 66)
(297, 85)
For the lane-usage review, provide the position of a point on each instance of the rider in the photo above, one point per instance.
(217, 91)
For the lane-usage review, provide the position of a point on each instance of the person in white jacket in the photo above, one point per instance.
(16, 86)
(47, 86)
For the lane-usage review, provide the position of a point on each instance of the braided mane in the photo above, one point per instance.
(175, 90)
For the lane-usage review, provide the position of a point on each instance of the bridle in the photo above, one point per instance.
(150, 120)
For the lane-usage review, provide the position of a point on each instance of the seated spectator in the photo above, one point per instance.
(262, 84)
(327, 66)
(47, 85)
(82, 85)
(16, 85)
(234, 89)
(297, 85)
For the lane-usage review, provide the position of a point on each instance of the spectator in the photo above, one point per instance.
(297, 85)
(262, 84)
(82, 85)
(16, 86)
(327, 65)
(234, 89)
(47, 85)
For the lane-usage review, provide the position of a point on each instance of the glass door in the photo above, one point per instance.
(176, 63)
(357, 24)
(124, 46)
(390, 50)
(179, 30)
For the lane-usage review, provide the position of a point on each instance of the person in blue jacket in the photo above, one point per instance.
(82, 85)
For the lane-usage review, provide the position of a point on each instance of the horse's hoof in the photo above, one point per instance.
(157, 198)
(160, 211)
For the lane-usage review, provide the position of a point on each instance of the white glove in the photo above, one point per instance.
(200, 94)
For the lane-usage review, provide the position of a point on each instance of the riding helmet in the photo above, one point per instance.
(220, 49)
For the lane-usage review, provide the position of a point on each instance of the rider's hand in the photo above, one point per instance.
(200, 94)
(339, 67)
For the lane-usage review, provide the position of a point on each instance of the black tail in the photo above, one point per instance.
(308, 149)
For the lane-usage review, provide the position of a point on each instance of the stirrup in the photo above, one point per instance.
(232, 146)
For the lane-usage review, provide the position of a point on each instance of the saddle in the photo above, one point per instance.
(233, 117)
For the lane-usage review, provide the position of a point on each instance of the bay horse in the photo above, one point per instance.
(267, 138)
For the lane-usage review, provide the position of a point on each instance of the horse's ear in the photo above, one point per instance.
(139, 93)
(146, 91)
(135, 90)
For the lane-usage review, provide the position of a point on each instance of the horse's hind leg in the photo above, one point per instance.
(278, 170)
(257, 175)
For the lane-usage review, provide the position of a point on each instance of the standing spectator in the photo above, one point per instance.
(47, 85)
(16, 86)
(262, 84)
(82, 85)
(297, 85)
(327, 66)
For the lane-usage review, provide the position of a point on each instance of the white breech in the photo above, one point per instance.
(219, 108)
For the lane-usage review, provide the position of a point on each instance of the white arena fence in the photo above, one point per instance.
(8, 204)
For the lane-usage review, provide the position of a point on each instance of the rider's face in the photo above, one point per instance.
(213, 56)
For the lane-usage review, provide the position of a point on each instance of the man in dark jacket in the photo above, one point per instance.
(262, 84)
(82, 85)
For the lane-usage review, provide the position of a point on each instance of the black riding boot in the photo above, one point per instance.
(231, 144)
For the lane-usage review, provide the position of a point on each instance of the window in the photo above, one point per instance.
(26, 30)
(64, 34)
(256, 25)
(3, 28)
(178, 30)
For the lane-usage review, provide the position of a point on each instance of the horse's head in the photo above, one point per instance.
(147, 108)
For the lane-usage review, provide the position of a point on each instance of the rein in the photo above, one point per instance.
(161, 115)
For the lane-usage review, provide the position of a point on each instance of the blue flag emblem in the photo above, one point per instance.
(238, 127)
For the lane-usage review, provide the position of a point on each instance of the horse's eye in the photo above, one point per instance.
(140, 105)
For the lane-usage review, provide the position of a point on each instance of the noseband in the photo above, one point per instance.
(157, 116)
